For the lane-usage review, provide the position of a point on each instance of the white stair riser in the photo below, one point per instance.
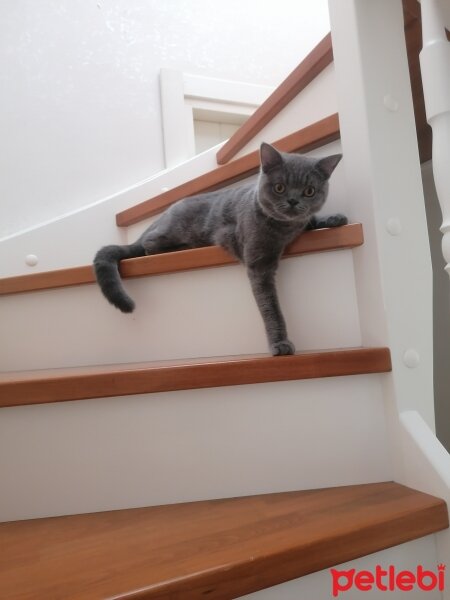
(125, 452)
(199, 313)
(319, 585)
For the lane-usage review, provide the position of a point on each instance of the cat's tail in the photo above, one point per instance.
(106, 267)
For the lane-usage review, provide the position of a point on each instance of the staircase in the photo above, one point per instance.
(218, 549)
(164, 454)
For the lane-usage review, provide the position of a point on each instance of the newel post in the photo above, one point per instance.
(435, 67)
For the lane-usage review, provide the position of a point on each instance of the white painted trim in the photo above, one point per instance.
(94, 224)
(426, 467)
(177, 119)
(445, 10)
(431, 448)
(393, 267)
(183, 94)
(224, 90)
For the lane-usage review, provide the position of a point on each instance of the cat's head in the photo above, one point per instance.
(293, 187)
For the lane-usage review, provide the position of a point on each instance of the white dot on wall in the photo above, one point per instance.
(394, 226)
(31, 260)
(390, 103)
(411, 358)
(164, 189)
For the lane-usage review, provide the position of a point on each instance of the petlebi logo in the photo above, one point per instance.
(388, 579)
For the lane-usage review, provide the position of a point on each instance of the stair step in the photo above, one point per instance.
(81, 383)
(319, 240)
(306, 139)
(313, 64)
(220, 549)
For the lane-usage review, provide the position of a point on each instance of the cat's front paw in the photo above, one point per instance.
(282, 348)
(336, 220)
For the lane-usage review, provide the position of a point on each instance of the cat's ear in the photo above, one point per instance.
(270, 158)
(328, 164)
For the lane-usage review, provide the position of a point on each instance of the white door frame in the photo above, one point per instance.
(185, 97)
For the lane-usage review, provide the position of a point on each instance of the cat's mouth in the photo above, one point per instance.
(285, 213)
(298, 211)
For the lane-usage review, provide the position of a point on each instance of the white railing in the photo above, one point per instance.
(435, 67)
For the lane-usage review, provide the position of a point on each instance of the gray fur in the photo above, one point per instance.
(254, 222)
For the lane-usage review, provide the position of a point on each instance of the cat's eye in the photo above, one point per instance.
(309, 191)
(279, 188)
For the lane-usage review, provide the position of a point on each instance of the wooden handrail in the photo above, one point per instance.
(215, 549)
(412, 7)
(84, 383)
(319, 240)
(316, 61)
(304, 140)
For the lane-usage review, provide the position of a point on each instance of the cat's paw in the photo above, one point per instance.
(282, 348)
(336, 220)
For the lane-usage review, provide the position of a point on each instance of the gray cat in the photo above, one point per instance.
(253, 222)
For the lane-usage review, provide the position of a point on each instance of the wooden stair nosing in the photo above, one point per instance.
(305, 140)
(313, 64)
(221, 549)
(83, 383)
(319, 240)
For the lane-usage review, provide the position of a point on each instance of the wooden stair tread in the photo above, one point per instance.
(313, 64)
(319, 240)
(220, 549)
(304, 140)
(80, 383)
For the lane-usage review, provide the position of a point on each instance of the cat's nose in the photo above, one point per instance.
(293, 201)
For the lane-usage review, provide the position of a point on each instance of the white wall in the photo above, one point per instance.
(79, 109)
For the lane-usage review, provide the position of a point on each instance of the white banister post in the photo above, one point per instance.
(393, 273)
(435, 67)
